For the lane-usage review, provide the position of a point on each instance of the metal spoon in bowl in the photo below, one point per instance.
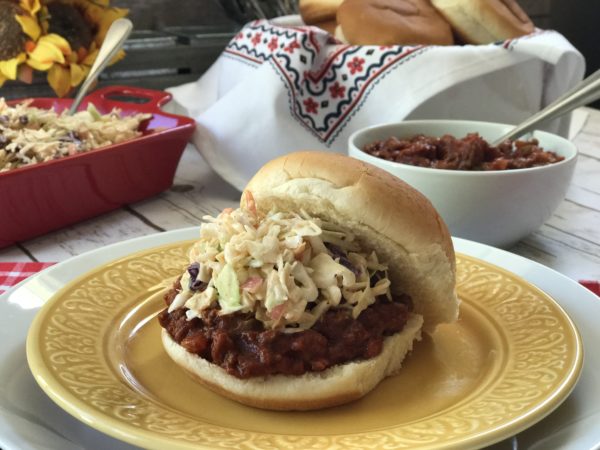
(116, 36)
(587, 91)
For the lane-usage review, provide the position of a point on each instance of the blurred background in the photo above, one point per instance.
(175, 42)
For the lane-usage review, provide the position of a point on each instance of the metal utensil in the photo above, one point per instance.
(587, 91)
(116, 36)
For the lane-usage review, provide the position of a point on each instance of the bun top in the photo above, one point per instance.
(393, 22)
(485, 21)
(315, 11)
(386, 214)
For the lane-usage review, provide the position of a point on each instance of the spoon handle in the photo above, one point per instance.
(116, 36)
(583, 93)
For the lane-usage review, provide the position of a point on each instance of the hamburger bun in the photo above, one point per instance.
(328, 25)
(392, 22)
(316, 11)
(485, 21)
(386, 216)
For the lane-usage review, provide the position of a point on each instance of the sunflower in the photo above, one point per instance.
(60, 37)
(82, 26)
(18, 27)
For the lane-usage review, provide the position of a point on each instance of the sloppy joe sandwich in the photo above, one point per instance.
(392, 22)
(485, 21)
(314, 289)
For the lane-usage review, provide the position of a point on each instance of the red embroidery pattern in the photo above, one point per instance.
(256, 39)
(337, 90)
(273, 44)
(356, 65)
(291, 47)
(326, 82)
(311, 106)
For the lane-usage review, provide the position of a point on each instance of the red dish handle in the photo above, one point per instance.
(154, 99)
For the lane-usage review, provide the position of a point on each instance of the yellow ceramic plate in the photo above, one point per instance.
(511, 359)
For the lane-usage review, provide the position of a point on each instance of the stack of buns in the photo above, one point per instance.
(418, 22)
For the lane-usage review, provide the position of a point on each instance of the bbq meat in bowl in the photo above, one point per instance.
(495, 195)
(471, 152)
(315, 289)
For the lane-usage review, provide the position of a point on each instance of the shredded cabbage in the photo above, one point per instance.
(30, 135)
(286, 268)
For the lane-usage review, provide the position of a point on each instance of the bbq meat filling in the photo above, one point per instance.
(468, 153)
(242, 346)
(281, 292)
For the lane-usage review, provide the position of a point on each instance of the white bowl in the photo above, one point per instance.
(494, 207)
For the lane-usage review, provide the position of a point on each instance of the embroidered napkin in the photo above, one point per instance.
(280, 86)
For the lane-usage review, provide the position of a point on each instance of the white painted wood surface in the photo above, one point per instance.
(568, 242)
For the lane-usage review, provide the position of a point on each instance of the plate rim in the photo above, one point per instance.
(116, 428)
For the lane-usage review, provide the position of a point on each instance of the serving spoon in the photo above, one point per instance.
(587, 91)
(116, 36)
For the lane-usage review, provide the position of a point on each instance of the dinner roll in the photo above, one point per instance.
(316, 11)
(392, 22)
(485, 21)
(328, 25)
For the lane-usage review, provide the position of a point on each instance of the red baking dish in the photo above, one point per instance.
(43, 197)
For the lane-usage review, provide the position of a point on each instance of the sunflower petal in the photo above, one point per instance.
(59, 42)
(31, 6)
(104, 18)
(90, 58)
(104, 3)
(118, 57)
(50, 49)
(78, 73)
(59, 79)
(30, 26)
(9, 67)
(43, 17)
(42, 66)
(44, 56)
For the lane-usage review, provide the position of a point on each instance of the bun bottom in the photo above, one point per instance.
(314, 390)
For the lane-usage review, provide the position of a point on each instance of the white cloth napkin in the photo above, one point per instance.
(280, 86)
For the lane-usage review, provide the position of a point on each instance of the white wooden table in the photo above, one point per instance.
(568, 242)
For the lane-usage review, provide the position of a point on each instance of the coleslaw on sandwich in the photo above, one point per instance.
(287, 268)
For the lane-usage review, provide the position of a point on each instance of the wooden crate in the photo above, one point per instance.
(155, 59)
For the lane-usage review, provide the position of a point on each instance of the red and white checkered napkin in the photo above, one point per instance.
(12, 273)
(593, 286)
